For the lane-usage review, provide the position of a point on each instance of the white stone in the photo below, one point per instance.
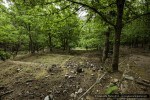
(46, 98)
(80, 90)
(73, 95)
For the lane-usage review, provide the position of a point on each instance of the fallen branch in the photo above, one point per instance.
(97, 81)
(123, 61)
(142, 83)
(146, 81)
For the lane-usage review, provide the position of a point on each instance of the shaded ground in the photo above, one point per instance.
(33, 77)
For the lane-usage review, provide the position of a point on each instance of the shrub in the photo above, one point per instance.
(4, 55)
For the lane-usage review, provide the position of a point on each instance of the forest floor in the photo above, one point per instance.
(34, 77)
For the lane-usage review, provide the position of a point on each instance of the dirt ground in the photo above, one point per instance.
(33, 77)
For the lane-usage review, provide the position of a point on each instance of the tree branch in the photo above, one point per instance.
(136, 17)
(93, 9)
(104, 7)
(67, 16)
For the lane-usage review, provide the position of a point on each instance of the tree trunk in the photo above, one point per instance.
(106, 47)
(118, 29)
(16, 50)
(31, 44)
(116, 50)
(64, 44)
(5, 47)
(50, 42)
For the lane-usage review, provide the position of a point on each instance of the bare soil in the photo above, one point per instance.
(33, 77)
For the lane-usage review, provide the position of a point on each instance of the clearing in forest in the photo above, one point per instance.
(37, 76)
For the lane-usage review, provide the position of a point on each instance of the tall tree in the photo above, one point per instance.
(102, 8)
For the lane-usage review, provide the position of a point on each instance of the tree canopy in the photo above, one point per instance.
(34, 25)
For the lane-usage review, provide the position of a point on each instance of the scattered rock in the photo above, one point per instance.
(115, 81)
(64, 91)
(60, 86)
(57, 92)
(47, 76)
(66, 75)
(128, 77)
(97, 91)
(18, 69)
(72, 71)
(80, 90)
(73, 95)
(52, 73)
(92, 65)
(70, 76)
(92, 74)
(47, 98)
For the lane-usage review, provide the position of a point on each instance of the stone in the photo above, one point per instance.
(52, 73)
(92, 74)
(64, 91)
(97, 91)
(73, 95)
(128, 77)
(115, 81)
(60, 86)
(92, 65)
(47, 76)
(80, 90)
(66, 75)
(69, 77)
(18, 69)
(47, 98)
(72, 71)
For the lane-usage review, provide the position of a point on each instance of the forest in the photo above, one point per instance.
(74, 49)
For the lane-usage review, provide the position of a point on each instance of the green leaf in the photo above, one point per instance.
(111, 89)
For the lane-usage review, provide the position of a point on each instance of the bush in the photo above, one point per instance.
(4, 55)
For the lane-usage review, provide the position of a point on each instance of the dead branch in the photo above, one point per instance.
(97, 81)
(142, 83)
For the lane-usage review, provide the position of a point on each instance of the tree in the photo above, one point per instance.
(117, 11)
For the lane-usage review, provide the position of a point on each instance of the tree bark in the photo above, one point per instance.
(50, 42)
(106, 47)
(118, 29)
(64, 44)
(31, 44)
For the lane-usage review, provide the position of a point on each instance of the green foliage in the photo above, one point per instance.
(92, 34)
(36, 21)
(111, 89)
(4, 55)
(139, 28)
